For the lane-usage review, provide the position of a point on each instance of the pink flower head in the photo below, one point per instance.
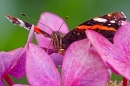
(7, 61)
(13, 62)
(54, 22)
(82, 66)
(117, 55)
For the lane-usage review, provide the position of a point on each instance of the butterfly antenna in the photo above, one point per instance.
(34, 20)
(63, 22)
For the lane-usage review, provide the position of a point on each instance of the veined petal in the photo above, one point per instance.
(54, 22)
(104, 47)
(57, 59)
(4, 65)
(1, 82)
(122, 42)
(20, 85)
(82, 66)
(40, 68)
(18, 70)
(50, 51)
(7, 61)
(122, 68)
(43, 41)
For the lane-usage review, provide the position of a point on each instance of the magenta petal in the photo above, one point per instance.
(1, 82)
(54, 22)
(50, 51)
(43, 41)
(31, 34)
(4, 65)
(122, 68)
(82, 66)
(7, 60)
(20, 85)
(122, 41)
(18, 71)
(104, 47)
(40, 68)
(57, 59)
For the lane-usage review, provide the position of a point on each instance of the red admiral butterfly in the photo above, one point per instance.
(105, 25)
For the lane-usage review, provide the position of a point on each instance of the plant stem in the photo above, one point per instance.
(124, 81)
(8, 79)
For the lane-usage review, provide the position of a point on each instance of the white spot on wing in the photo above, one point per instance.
(123, 14)
(109, 24)
(100, 19)
(22, 24)
(112, 21)
(109, 15)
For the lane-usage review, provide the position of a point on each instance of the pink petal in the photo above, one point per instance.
(40, 68)
(104, 47)
(82, 66)
(18, 71)
(7, 61)
(122, 42)
(54, 22)
(43, 41)
(20, 85)
(1, 82)
(50, 51)
(31, 34)
(122, 68)
(57, 59)
(4, 65)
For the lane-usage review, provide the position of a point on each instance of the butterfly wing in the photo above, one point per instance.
(105, 25)
(26, 25)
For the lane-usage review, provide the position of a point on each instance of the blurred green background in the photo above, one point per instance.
(12, 37)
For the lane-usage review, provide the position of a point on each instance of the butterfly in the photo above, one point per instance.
(105, 25)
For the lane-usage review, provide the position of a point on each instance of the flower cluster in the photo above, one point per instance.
(85, 63)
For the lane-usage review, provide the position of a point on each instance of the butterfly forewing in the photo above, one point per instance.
(56, 37)
(105, 25)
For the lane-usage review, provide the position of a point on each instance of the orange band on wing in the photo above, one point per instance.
(94, 27)
(37, 30)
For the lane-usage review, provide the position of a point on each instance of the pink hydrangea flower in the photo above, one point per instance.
(116, 56)
(82, 66)
(54, 22)
(13, 62)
